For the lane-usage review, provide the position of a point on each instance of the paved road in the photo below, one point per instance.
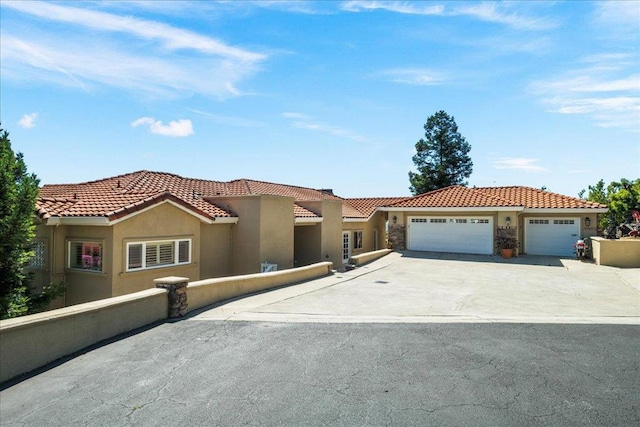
(557, 344)
(326, 374)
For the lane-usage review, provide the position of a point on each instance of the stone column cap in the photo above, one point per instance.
(170, 280)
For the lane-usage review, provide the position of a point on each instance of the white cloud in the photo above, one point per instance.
(129, 53)
(606, 90)
(499, 13)
(302, 121)
(28, 120)
(414, 76)
(171, 37)
(518, 163)
(175, 128)
(394, 6)
(229, 120)
(617, 19)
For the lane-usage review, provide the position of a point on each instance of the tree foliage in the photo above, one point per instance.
(622, 198)
(442, 156)
(18, 194)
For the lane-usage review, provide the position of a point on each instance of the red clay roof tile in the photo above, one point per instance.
(121, 195)
(364, 207)
(491, 197)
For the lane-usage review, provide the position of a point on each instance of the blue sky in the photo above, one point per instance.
(322, 94)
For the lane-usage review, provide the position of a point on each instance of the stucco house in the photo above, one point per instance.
(115, 235)
(466, 220)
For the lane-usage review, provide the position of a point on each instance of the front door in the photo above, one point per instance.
(346, 246)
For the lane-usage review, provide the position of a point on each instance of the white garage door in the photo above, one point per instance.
(471, 235)
(551, 236)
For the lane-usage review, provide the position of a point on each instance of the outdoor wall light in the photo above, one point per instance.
(395, 219)
(587, 221)
(508, 219)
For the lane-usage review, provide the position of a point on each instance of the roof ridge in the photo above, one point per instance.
(284, 185)
(495, 197)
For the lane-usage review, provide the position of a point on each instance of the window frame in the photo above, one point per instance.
(147, 244)
(358, 243)
(89, 242)
(40, 248)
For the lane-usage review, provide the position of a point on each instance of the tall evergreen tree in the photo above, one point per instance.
(442, 157)
(18, 194)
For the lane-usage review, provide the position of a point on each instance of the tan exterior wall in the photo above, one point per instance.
(206, 292)
(307, 244)
(623, 253)
(215, 250)
(369, 256)
(330, 245)
(83, 286)
(276, 231)
(264, 232)
(29, 342)
(164, 221)
(52, 271)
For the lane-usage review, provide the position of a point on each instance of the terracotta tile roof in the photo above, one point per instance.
(536, 198)
(301, 212)
(121, 195)
(364, 207)
(247, 186)
(486, 197)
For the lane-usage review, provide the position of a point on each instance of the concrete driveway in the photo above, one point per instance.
(416, 287)
(344, 370)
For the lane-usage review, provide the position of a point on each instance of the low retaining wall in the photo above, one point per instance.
(209, 291)
(368, 257)
(28, 342)
(624, 253)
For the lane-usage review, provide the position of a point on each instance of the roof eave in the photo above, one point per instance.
(454, 209)
(347, 219)
(79, 220)
(565, 210)
(310, 220)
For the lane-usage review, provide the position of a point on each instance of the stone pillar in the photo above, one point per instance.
(177, 287)
(396, 236)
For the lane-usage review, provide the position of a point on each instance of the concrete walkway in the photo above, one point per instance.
(413, 287)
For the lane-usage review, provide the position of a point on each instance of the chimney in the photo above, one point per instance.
(328, 191)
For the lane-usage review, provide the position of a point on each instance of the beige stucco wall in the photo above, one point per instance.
(277, 221)
(263, 233)
(375, 221)
(205, 292)
(29, 342)
(215, 250)
(369, 256)
(164, 221)
(83, 286)
(330, 229)
(307, 244)
(52, 271)
(624, 253)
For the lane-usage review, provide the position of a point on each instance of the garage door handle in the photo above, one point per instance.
(574, 235)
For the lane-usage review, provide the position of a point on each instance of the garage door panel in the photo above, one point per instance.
(551, 236)
(451, 234)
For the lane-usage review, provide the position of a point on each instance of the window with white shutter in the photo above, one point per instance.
(158, 254)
